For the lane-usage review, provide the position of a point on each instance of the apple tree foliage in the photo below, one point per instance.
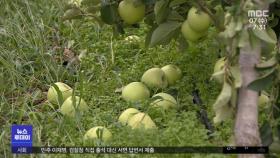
(231, 22)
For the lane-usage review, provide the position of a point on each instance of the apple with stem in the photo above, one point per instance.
(131, 12)
(198, 20)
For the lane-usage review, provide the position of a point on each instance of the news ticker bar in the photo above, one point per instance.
(140, 150)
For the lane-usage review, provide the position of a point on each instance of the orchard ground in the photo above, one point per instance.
(33, 55)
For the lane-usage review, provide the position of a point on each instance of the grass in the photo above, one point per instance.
(32, 56)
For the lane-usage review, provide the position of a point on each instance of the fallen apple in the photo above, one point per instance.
(127, 114)
(69, 106)
(135, 91)
(172, 73)
(165, 101)
(75, 2)
(141, 121)
(132, 39)
(98, 132)
(154, 78)
(198, 20)
(65, 90)
(189, 33)
(263, 99)
(131, 12)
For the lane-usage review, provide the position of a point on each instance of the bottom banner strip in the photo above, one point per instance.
(140, 150)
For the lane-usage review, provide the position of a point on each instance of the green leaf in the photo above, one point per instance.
(267, 65)
(263, 35)
(164, 32)
(254, 41)
(149, 36)
(108, 12)
(222, 108)
(174, 3)
(161, 10)
(224, 97)
(276, 12)
(149, 19)
(235, 72)
(262, 82)
(175, 16)
(223, 113)
(59, 94)
(99, 133)
(220, 16)
(230, 31)
(276, 112)
(266, 134)
(218, 76)
(274, 22)
(149, 2)
(278, 130)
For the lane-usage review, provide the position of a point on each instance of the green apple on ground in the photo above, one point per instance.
(98, 132)
(142, 121)
(172, 73)
(135, 91)
(75, 2)
(69, 106)
(127, 114)
(154, 78)
(198, 20)
(130, 12)
(263, 99)
(63, 88)
(165, 101)
(189, 33)
(132, 39)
